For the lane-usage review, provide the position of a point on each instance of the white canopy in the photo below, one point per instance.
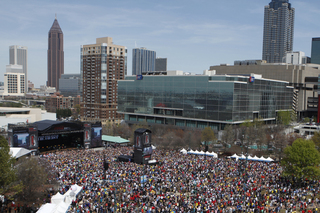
(263, 159)
(183, 151)
(153, 147)
(234, 156)
(60, 203)
(47, 208)
(270, 159)
(57, 198)
(18, 152)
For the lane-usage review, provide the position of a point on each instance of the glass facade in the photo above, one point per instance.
(198, 101)
(315, 51)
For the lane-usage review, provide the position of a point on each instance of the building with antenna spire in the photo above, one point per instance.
(55, 55)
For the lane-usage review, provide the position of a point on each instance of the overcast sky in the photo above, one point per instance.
(192, 34)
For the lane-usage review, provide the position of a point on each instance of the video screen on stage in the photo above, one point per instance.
(96, 134)
(21, 140)
(147, 150)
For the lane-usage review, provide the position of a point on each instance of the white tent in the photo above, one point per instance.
(196, 152)
(234, 156)
(57, 198)
(183, 151)
(213, 154)
(201, 152)
(153, 147)
(270, 159)
(47, 208)
(263, 159)
(61, 203)
(255, 158)
(18, 152)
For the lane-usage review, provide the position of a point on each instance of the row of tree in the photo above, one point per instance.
(25, 177)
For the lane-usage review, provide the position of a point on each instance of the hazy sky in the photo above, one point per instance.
(192, 34)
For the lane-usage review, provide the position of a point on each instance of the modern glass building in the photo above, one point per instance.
(278, 30)
(143, 60)
(315, 51)
(69, 85)
(202, 100)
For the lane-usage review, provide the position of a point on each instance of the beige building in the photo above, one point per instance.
(295, 74)
(102, 65)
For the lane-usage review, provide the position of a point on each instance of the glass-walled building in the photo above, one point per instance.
(201, 100)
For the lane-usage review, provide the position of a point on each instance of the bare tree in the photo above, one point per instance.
(33, 176)
(228, 135)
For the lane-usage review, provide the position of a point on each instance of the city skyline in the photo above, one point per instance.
(192, 35)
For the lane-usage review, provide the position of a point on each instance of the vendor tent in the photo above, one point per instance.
(19, 152)
(183, 151)
(57, 198)
(115, 140)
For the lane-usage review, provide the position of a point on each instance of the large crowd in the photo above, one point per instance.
(179, 183)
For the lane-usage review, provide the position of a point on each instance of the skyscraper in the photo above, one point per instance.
(143, 60)
(18, 55)
(161, 64)
(315, 51)
(102, 65)
(278, 30)
(55, 55)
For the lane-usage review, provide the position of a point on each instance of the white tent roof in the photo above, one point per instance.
(47, 208)
(270, 159)
(57, 198)
(234, 156)
(255, 158)
(18, 152)
(183, 151)
(263, 159)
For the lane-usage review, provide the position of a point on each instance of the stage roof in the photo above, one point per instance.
(42, 125)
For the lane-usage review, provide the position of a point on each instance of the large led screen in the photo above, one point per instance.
(96, 133)
(21, 140)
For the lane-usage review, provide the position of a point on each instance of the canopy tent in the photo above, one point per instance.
(19, 152)
(48, 208)
(255, 158)
(57, 198)
(211, 154)
(115, 140)
(61, 203)
(183, 151)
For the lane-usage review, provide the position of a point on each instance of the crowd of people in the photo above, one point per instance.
(179, 183)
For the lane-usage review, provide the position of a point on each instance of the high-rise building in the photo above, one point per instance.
(69, 85)
(14, 81)
(143, 60)
(55, 55)
(161, 64)
(278, 30)
(102, 65)
(19, 55)
(315, 51)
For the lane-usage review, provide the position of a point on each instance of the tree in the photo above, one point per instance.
(207, 135)
(316, 139)
(228, 135)
(33, 176)
(284, 117)
(301, 160)
(7, 171)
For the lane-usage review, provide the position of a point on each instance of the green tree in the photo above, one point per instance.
(301, 160)
(207, 135)
(316, 139)
(284, 117)
(7, 171)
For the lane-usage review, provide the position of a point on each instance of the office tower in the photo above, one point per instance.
(278, 30)
(161, 64)
(315, 51)
(69, 85)
(102, 65)
(55, 55)
(19, 55)
(14, 81)
(143, 60)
